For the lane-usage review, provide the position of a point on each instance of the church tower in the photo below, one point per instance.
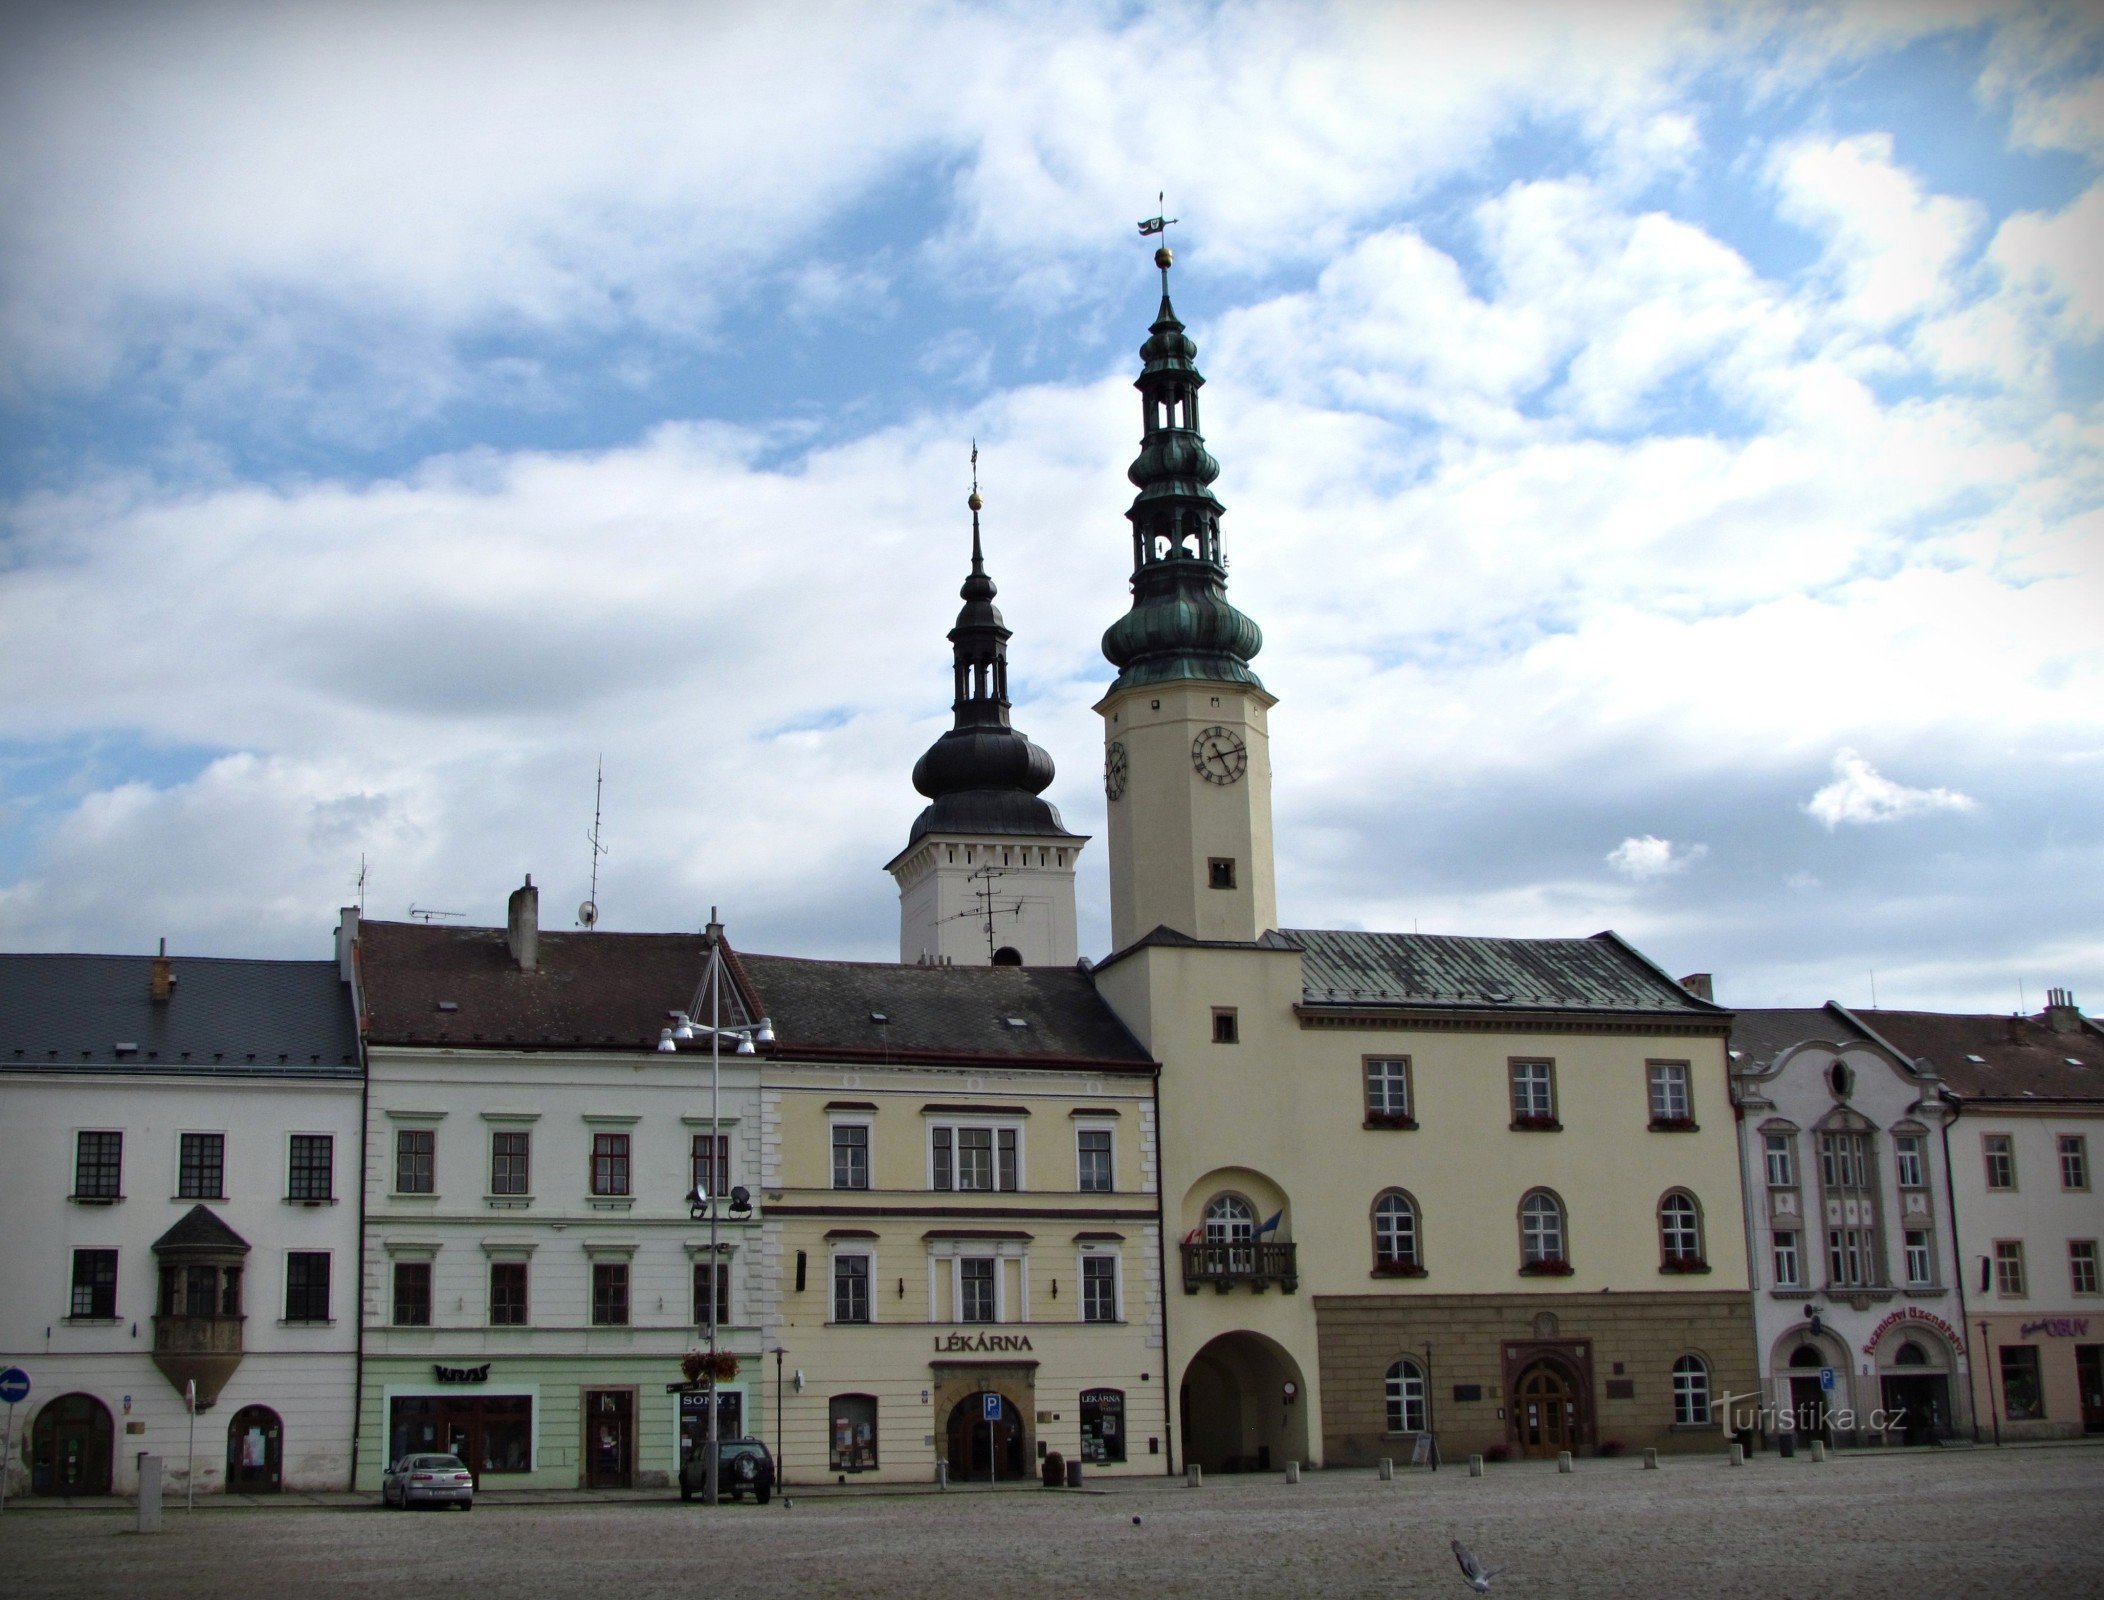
(987, 875)
(1187, 759)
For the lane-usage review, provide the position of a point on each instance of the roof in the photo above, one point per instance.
(830, 1007)
(1759, 1036)
(1600, 974)
(224, 1018)
(1989, 1057)
(201, 1228)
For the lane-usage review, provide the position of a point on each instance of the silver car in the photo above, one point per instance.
(428, 1480)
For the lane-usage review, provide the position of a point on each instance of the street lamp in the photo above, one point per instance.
(779, 1352)
(700, 1203)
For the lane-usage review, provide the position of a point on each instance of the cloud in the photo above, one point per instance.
(1653, 857)
(1861, 794)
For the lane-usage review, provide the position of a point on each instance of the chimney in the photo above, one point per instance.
(2018, 1032)
(2062, 1014)
(1698, 985)
(162, 983)
(523, 926)
(347, 944)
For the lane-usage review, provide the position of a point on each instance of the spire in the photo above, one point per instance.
(1181, 624)
(983, 775)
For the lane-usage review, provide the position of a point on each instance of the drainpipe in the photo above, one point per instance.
(1950, 1197)
(351, 960)
(1161, 1263)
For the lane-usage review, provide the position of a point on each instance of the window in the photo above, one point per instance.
(610, 1294)
(1691, 1393)
(1406, 1398)
(1907, 1159)
(98, 1166)
(1844, 1161)
(200, 1290)
(1851, 1258)
(307, 1286)
(311, 1168)
(1783, 1254)
(2023, 1395)
(1782, 1164)
(2009, 1268)
(2081, 1265)
(851, 1155)
(507, 1293)
(1099, 1288)
(1092, 1150)
(711, 1162)
(412, 1294)
(1103, 1424)
(1226, 1028)
(511, 1162)
(201, 1167)
(974, 1157)
(1670, 1105)
(1533, 1094)
(1395, 1234)
(1541, 1231)
(852, 1426)
(721, 1277)
(1920, 1261)
(2001, 1160)
(975, 1289)
(2074, 1161)
(1679, 1232)
(415, 1153)
(1229, 1219)
(1220, 872)
(610, 1165)
(851, 1288)
(1388, 1092)
(94, 1285)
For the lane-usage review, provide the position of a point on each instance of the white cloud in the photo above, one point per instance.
(1862, 794)
(1652, 857)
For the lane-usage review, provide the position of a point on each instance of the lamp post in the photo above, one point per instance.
(779, 1352)
(701, 1203)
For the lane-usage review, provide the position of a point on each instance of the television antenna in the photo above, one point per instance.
(426, 916)
(361, 883)
(987, 910)
(588, 913)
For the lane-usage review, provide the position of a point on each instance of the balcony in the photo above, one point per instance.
(1245, 1264)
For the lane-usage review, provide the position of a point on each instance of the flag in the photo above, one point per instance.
(1272, 1226)
(1153, 225)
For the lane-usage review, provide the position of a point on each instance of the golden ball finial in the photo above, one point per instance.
(1162, 258)
(975, 502)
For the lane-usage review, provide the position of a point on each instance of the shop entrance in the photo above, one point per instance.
(1545, 1409)
(2089, 1380)
(255, 1451)
(489, 1432)
(71, 1447)
(609, 1438)
(981, 1450)
(1921, 1402)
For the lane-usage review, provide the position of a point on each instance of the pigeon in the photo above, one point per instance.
(1135, 1522)
(1473, 1571)
(788, 1504)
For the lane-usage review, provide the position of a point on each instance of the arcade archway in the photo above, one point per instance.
(1244, 1406)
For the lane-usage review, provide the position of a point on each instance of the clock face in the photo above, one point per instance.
(1114, 764)
(1219, 755)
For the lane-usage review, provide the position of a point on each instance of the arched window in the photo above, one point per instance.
(1542, 1231)
(1910, 1354)
(1395, 1240)
(1406, 1398)
(1679, 1232)
(1229, 1219)
(1806, 1356)
(1691, 1397)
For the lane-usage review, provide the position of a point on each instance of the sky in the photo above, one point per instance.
(1660, 443)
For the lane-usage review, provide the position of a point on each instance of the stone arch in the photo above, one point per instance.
(1237, 1412)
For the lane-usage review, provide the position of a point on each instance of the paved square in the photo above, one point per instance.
(1922, 1524)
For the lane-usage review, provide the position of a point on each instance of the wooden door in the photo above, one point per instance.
(609, 1438)
(1546, 1410)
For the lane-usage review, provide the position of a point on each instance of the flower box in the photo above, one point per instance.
(701, 1367)
(1536, 1125)
(1545, 1269)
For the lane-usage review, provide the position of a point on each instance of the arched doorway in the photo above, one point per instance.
(1545, 1408)
(1243, 1406)
(980, 1450)
(1811, 1406)
(1914, 1388)
(255, 1451)
(71, 1447)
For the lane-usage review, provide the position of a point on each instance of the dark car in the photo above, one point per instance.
(744, 1468)
(428, 1480)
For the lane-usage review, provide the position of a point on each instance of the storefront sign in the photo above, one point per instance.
(1911, 1314)
(966, 1342)
(2057, 1328)
(462, 1374)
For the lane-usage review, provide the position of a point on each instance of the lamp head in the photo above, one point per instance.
(765, 1032)
(665, 1044)
(682, 1025)
(698, 1202)
(745, 1047)
(741, 1201)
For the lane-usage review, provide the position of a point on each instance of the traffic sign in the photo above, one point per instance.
(1826, 1379)
(14, 1386)
(990, 1407)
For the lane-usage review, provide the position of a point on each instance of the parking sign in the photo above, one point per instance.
(991, 1404)
(1826, 1379)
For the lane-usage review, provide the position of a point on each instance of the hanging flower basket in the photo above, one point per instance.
(701, 1367)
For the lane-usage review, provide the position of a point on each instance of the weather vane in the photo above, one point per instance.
(1157, 223)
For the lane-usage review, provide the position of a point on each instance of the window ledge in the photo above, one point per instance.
(94, 1199)
(322, 1200)
(611, 1202)
(92, 1322)
(1545, 1269)
(1403, 1123)
(507, 1202)
(1536, 1125)
(1675, 1125)
(195, 1199)
(1396, 1270)
(1683, 1267)
(306, 1322)
(423, 1197)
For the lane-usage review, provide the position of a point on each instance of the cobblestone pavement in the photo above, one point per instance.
(1922, 1524)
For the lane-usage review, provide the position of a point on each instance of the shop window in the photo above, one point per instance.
(307, 1286)
(2023, 1391)
(311, 1167)
(507, 1294)
(1406, 1398)
(1691, 1391)
(98, 1166)
(412, 1294)
(491, 1433)
(201, 1167)
(416, 1154)
(610, 1294)
(511, 1162)
(852, 1427)
(94, 1285)
(1103, 1424)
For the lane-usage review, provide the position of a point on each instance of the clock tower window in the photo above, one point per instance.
(1220, 872)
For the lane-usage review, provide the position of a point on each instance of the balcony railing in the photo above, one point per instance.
(1242, 1264)
(188, 1336)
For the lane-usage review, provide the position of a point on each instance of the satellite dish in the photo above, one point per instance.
(587, 914)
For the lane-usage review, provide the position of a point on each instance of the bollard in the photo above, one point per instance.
(149, 1493)
(1388, 1469)
(942, 1474)
(1563, 1461)
(1818, 1449)
(1293, 1472)
(1475, 1466)
(1786, 1446)
(1074, 1474)
(1650, 1459)
(1738, 1454)
(1194, 1475)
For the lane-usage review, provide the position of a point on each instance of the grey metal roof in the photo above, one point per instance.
(1600, 974)
(201, 1228)
(224, 1018)
(1759, 1036)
